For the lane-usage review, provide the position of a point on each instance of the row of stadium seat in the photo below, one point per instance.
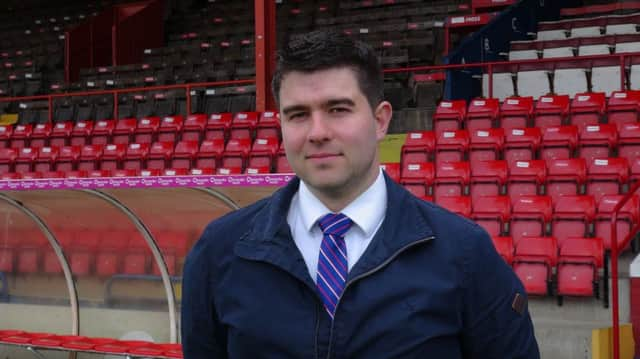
(584, 46)
(78, 343)
(595, 26)
(554, 178)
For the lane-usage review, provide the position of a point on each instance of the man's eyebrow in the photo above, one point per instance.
(340, 101)
(294, 108)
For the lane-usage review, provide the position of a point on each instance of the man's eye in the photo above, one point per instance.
(339, 110)
(296, 116)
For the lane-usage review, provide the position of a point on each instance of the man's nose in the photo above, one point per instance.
(319, 130)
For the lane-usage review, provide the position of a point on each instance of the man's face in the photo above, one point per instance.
(329, 131)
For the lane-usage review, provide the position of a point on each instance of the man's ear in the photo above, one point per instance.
(383, 114)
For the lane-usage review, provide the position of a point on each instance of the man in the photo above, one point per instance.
(342, 262)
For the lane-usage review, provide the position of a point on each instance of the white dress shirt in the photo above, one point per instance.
(367, 213)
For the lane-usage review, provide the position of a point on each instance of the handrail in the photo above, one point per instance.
(488, 65)
(614, 265)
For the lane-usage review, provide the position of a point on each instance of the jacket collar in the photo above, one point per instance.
(270, 239)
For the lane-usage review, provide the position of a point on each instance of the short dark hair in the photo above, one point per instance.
(325, 49)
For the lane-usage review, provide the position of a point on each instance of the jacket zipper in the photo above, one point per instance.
(368, 273)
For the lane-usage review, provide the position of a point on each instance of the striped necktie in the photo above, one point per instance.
(332, 261)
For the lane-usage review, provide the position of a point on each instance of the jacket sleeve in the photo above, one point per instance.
(202, 334)
(496, 315)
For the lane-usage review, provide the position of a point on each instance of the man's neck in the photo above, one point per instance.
(338, 200)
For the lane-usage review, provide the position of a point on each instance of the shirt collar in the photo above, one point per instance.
(366, 211)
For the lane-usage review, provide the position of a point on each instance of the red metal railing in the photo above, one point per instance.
(115, 92)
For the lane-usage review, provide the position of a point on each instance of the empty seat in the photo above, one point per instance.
(482, 113)
(587, 109)
(210, 153)
(488, 178)
(622, 25)
(452, 179)
(124, 130)
(607, 176)
(629, 141)
(67, 158)
(526, 177)
(502, 83)
(533, 80)
(218, 125)
(236, 153)
(565, 177)
(146, 130)
(81, 133)
(193, 129)
(551, 111)
(170, 128)
(597, 141)
(184, 154)
(243, 125)
(485, 145)
(418, 147)
(45, 159)
(548, 30)
(529, 216)
(452, 146)
(572, 217)
(492, 213)
(449, 115)
(135, 156)
(418, 178)
(112, 156)
(7, 160)
(533, 263)
(627, 217)
(102, 131)
(21, 136)
(25, 159)
(460, 205)
(516, 112)
(627, 43)
(588, 27)
(523, 50)
(521, 144)
(61, 134)
(570, 78)
(558, 49)
(90, 157)
(5, 135)
(606, 75)
(268, 125)
(559, 142)
(578, 264)
(160, 153)
(40, 135)
(623, 107)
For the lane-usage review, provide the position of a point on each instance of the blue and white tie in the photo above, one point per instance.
(332, 262)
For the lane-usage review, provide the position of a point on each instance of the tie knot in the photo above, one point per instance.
(335, 224)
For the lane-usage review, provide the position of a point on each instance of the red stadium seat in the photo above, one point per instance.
(243, 125)
(99, 173)
(559, 142)
(629, 141)
(61, 134)
(268, 125)
(160, 153)
(607, 176)
(236, 152)
(578, 264)
(597, 141)
(504, 247)
(482, 113)
(124, 173)
(533, 263)
(146, 130)
(521, 144)
(102, 131)
(90, 157)
(21, 136)
(263, 152)
(7, 159)
(210, 153)
(226, 171)
(31, 175)
(530, 216)
(40, 135)
(488, 178)
(392, 170)
(449, 116)
(45, 159)
(587, 109)
(492, 213)
(565, 177)
(10, 176)
(82, 133)
(486, 145)
(460, 205)
(202, 171)
(452, 179)
(551, 111)
(572, 217)
(76, 174)
(193, 129)
(112, 156)
(5, 135)
(218, 126)
(25, 160)
(627, 217)
(417, 178)
(418, 147)
(175, 172)
(184, 154)
(170, 128)
(452, 146)
(135, 156)
(54, 174)
(257, 170)
(623, 107)
(516, 112)
(124, 130)
(526, 177)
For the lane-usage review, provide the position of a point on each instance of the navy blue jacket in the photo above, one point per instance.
(430, 285)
